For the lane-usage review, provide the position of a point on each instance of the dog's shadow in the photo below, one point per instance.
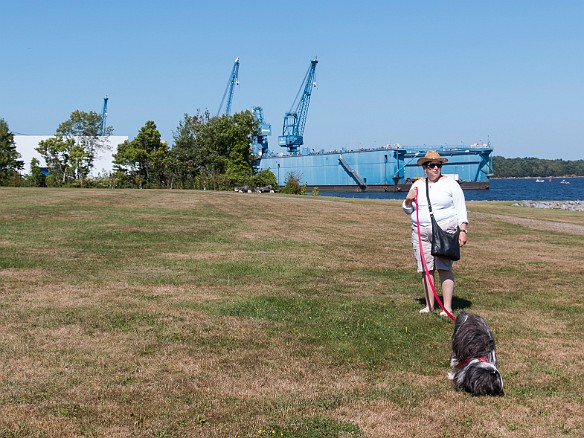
(457, 303)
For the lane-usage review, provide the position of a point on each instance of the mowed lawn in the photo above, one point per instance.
(151, 313)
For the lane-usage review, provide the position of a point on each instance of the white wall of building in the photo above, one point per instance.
(26, 144)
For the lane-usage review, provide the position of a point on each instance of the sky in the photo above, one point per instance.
(416, 73)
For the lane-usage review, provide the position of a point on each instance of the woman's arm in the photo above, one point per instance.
(460, 205)
(408, 204)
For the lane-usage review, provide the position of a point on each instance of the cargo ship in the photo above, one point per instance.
(391, 168)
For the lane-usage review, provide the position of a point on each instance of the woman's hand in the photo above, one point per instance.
(462, 238)
(411, 196)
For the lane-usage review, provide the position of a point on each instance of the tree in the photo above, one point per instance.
(85, 130)
(144, 159)
(213, 152)
(37, 178)
(57, 152)
(9, 156)
(184, 162)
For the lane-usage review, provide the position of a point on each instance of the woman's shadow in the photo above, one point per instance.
(457, 303)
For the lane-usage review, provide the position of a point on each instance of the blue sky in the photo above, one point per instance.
(409, 72)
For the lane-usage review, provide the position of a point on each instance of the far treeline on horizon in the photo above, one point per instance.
(211, 152)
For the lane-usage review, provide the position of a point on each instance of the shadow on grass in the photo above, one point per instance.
(457, 303)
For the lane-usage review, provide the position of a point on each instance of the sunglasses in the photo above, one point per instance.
(433, 165)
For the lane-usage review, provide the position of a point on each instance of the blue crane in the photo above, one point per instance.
(103, 117)
(295, 119)
(260, 140)
(233, 81)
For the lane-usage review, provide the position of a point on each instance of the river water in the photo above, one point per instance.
(508, 189)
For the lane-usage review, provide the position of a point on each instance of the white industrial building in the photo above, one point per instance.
(26, 144)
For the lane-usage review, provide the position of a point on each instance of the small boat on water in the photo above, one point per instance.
(539, 180)
(564, 182)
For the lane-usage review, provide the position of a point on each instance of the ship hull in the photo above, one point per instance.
(389, 169)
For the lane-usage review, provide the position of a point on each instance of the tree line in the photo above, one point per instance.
(208, 153)
(535, 167)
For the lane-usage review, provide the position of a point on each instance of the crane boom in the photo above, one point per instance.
(103, 116)
(233, 81)
(295, 119)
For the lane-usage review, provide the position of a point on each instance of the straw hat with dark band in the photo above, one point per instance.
(431, 156)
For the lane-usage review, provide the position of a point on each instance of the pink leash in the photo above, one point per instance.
(426, 270)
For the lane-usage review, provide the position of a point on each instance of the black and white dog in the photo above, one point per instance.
(473, 359)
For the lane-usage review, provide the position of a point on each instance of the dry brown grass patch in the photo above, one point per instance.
(22, 275)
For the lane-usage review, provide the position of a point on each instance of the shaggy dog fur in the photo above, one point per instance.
(473, 359)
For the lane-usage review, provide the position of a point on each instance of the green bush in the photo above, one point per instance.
(292, 186)
(51, 181)
(13, 180)
(303, 189)
(264, 178)
(36, 178)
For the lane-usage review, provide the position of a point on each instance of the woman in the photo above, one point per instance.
(449, 208)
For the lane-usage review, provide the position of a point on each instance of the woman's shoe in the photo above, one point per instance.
(443, 313)
(425, 310)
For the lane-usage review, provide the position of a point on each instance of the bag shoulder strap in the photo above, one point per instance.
(428, 197)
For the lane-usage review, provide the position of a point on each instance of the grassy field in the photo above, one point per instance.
(151, 313)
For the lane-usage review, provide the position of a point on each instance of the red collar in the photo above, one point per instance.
(468, 359)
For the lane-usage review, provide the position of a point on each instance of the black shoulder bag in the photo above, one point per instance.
(444, 244)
